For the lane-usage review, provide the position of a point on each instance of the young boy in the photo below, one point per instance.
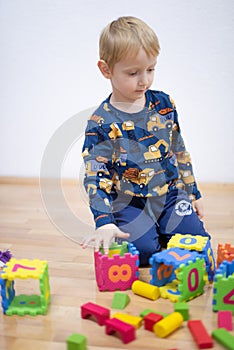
(139, 175)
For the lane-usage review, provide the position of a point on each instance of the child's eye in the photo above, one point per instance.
(150, 69)
(132, 73)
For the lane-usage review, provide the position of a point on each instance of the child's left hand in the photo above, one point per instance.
(198, 208)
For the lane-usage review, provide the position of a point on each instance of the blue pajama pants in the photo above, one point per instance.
(152, 221)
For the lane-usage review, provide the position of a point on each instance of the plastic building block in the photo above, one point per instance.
(168, 324)
(115, 248)
(225, 320)
(100, 313)
(183, 309)
(189, 242)
(25, 304)
(117, 272)
(145, 290)
(125, 330)
(76, 342)
(150, 320)
(191, 279)
(223, 337)
(135, 321)
(200, 334)
(170, 291)
(223, 291)
(225, 252)
(120, 300)
(148, 311)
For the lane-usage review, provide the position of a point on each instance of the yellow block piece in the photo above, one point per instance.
(168, 324)
(24, 269)
(145, 290)
(188, 242)
(135, 321)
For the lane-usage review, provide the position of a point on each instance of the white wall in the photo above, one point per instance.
(48, 73)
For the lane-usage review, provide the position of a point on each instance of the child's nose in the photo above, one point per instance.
(143, 79)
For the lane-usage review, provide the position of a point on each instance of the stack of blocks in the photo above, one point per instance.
(25, 304)
(181, 270)
(119, 269)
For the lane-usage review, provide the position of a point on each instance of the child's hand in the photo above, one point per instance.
(198, 208)
(104, 236)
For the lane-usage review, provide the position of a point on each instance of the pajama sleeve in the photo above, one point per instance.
(97, 155)
(184, 160)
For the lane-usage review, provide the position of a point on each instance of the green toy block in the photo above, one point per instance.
(148, 311)
(120, 300)
(223, 298)
(223, 337)
(76, 342)
(183, 309)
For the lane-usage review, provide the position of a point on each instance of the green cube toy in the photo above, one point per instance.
(120, 300)
(76, 342)
(183, 309)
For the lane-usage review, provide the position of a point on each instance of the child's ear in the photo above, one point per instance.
(104, 68)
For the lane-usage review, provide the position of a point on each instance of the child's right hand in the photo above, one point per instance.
(104, 236)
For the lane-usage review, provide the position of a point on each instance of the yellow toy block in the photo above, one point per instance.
(24, 269)
(189, 242)
(135, 321)
(168, 324)
(145, 290)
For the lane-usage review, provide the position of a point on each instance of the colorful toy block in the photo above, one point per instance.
(168, 325)
(223, 337)
(200, 334)
(117, 272)
(183, 309)
(120, 300)
(150, 320)
(170, 291)
(125, 330)
(225, 320)
(115, 248)
(25, 304)
(145, 290)
(100, 313)
(223, 291)
(197, 243)
(135, 321)
(147, 311)
(76, 342)
(225, 253)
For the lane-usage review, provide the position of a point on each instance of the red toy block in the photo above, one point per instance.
(225, 320)
(125, 330)
(200, 335)
(150, 319)
(100, 313)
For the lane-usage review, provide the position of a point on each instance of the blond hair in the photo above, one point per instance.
(126, 35)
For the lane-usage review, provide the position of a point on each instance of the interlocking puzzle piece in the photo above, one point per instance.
(135, 321)
(120, 300)
(223, 291)
(183, 309)
(168, 325)
(166, 262)
(118, 272)
(125, 330)
(116, 248)
(25, 304)
(191, 279)
(225, 320)
(223, 337)
(76, 342)
(170, 291)
(150, 319)
(200, 334)
(145, 290)
(197, 243)
(225, 252)
(100, 313)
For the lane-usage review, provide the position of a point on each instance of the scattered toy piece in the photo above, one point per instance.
(145, 290)
(100, 313)
(200, 334)
(168, 324)
(120, 300)
(223, 337)
(125, 330)
(76, 342)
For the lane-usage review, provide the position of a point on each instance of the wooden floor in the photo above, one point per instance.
(27, 231)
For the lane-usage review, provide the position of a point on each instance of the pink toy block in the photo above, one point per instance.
(117, 272)
(150, 320)
(225, 320)
(200, 335)
(100, 313)
(125, 330)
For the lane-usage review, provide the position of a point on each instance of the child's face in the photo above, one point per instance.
(132, 76)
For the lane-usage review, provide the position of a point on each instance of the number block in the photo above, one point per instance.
(25, 304)
(117, 272)
(197, 243)
(223, 291)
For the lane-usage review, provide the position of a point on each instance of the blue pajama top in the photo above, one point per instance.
(138, 154)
